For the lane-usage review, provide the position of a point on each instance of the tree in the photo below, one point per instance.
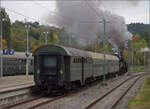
(55, 37)
(136, 28)
(6, 25)
(36, 35)
(4, 44)
(137, 43)
(19, 46)
(136, 37)
(145, 34)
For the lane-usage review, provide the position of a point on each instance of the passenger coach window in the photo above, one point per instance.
(50, 61)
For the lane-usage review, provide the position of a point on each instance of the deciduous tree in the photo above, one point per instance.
(6, 26)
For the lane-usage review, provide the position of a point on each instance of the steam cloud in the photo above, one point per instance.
(82, 21)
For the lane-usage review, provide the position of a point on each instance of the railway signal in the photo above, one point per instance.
(27, 54)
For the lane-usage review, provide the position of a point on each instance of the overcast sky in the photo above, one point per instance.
(38, 10)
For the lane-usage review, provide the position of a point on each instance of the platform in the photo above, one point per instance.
(15, 81)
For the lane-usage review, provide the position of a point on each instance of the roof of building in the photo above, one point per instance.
(146, 49)
(17, 55)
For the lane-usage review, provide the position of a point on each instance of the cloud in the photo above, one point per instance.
(84, 22)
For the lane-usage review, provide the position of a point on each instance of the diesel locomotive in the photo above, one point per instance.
(57, 67)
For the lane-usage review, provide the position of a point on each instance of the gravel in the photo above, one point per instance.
(80, 100)
(123, 103)
(109, 100)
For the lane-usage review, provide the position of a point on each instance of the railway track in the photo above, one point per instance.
(18, 92)
(94, 102)
(126, 91)
(40, 101)
(20, 103)
(33, 102)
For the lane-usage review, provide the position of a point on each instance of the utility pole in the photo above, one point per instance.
(46, 40)
(144, 60)
(1, 37)
(46, 33)
(149, 45)
(134, 57)
(27, 52)
(69, 39)
(128, 57)
(104, 52)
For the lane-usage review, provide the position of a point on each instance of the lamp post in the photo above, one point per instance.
(1, 37)
(144, 59)
(46, 33)
(27, 52)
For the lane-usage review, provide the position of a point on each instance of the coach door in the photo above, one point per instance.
(67, 68)
(50, 64)
(82, 64)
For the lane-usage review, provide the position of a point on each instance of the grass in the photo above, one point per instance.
(139, 68)
(142, 98)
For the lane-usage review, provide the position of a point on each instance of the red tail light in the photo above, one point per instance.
(61, 71)
(38, 71)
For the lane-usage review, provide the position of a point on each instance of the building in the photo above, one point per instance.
(146, 51)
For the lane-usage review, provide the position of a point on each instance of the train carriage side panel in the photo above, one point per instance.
(75, 69)
(88, 68)
(97, 64)
(117, 66)
(67, 65)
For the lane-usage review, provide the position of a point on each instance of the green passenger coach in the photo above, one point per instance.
(59, 67)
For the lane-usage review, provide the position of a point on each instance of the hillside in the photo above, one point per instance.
(139, 28)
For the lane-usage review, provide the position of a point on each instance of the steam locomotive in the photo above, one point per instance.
(57, 67)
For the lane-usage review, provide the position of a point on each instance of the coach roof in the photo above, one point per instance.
(71, 52)
(62, 50)
(101, 56)
(17, 55)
